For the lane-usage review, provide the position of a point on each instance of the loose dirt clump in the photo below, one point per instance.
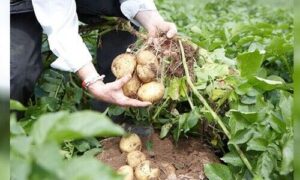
(187, 157)
(168, 50)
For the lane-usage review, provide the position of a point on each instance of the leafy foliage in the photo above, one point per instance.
(249, 68)
(244, 70)
(37, 155)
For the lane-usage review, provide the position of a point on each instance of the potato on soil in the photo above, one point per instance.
(146, 73)
(135, 157)
(169, 170)
(146, 57)
(126, 171)
(131, 88)
(130, 142)
(151, 92)
(146, 171)
(123, 64)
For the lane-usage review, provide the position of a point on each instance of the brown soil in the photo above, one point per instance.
(165, 48)
(170, 48)
(188, 157)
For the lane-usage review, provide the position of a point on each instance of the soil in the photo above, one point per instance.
(187, 157)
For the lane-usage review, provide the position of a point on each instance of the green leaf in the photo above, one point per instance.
(47, 157)
(250, 117)
(286, 106)
(165, 130)
(88, 168)
(92, 152)
(287, 157)
(241, 136)
(249, 63)
(173, 89)
(84, 124)
(219, 55)
(257, 144)
(216, 171)
(264, 165)
(115, 110)
(20, 167)
(233, 159)
(277, 124)
(43, 126)
(81, 145)
(21, 145)
(191, 120)
(15, 128)
(267, 84)
(16, 105)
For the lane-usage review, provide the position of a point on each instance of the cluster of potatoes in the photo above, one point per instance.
(144, 68)
(138, 166)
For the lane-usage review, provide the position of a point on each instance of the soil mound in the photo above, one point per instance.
(188, 156)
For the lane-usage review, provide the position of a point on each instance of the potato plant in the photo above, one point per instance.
(236, 94)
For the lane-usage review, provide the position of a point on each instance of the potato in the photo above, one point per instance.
(126, 171)
(146, 73)
(146, 171)
(135, 157)
(130, 142)
(123, 64)
(169, 170)
(131, 87)
(146, 57)
(151, 92)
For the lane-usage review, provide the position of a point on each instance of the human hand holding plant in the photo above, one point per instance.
(154, 24)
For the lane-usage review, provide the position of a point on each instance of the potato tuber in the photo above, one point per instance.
(123, 64)
(130, 142)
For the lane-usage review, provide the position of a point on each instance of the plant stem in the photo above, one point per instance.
(214, 114)
(160, 108)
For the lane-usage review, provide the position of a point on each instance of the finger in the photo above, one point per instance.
(136, 103)
(152, 32)
(172, 30)
(120, 82)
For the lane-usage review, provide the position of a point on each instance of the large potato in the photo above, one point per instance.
(123, 64)
(146, 171)
(146, 57)
(135, 157)
(146, 73)
(131, 87)
(130, 142)
(151, 92)
(126, 171)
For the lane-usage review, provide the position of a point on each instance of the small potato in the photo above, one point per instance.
(146, 57)
(131, 87)
(126, 171)
(169, 170)
(146, 73)
(135, 157)
(146, 171)
(151, 92)
(123, 64)
(131, 142)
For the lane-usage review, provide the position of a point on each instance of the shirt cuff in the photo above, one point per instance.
(131, 7)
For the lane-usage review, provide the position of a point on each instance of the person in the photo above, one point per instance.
(59, 20)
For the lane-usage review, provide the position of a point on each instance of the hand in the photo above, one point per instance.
(113, 93)
(154, 24)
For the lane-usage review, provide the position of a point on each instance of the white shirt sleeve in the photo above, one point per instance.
(59, 21)
(131, 7)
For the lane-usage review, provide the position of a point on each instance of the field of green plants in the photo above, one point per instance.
(240, 101)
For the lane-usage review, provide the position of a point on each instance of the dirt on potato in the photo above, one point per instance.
(188, 156)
